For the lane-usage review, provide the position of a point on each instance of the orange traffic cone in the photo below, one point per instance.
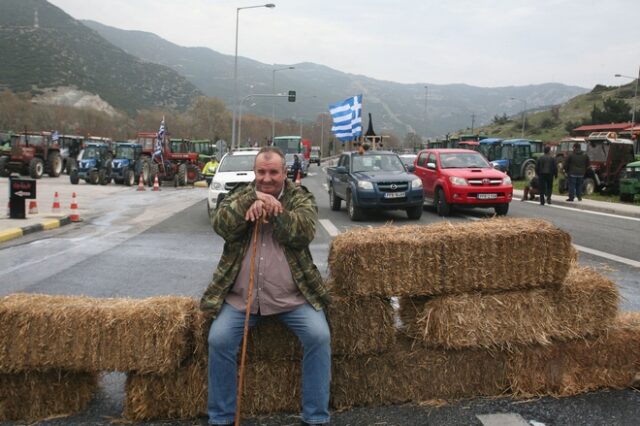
(74, 216)
(156, 184)
(298, 181)
(141, 183)
(33, 207)
(56, 204)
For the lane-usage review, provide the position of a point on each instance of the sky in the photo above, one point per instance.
(477, 42)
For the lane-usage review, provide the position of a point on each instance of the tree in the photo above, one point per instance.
(613, 111)
(500, 120)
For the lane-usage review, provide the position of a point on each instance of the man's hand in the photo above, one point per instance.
(265, 204)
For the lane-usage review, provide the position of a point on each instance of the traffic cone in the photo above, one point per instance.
(156, 184)
(56, 204)
(74, 216)
(33, 207)
(141, 183)
(298, 179)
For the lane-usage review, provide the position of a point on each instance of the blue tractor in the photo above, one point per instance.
(514, 157)
(129, 164)
(94, 166)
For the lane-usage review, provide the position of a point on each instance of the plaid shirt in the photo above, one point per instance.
(294, 229)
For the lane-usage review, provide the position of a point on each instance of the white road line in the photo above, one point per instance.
(329, 227)
(575, 209)
(613, 257)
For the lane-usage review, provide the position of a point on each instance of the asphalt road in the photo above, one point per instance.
(156, 244)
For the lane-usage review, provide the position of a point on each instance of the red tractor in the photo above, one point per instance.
(32, 153)
(169, 163)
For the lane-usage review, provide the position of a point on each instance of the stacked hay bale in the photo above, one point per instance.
(53, 348)
(483, 307)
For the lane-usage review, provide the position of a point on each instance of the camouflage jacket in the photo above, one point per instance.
(295, 228)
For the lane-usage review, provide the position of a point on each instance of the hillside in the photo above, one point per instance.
(42, 47)
(397, 108)
(554, 123)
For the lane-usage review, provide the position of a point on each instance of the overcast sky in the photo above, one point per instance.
(476, 42)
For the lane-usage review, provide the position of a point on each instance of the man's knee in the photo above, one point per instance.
(220, 337)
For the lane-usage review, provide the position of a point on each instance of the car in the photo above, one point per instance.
(314, 156)
(462, 178)
(235, 167)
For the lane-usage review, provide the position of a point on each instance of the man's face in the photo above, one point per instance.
(270, 174)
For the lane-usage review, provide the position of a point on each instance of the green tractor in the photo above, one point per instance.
(515, 159)
(629, 184)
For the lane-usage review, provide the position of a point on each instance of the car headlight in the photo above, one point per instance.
(363, 184)
(457, 180)
(506, 180)
(416, 183)
(217, 186)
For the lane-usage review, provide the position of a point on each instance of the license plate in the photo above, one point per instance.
(394, 195)
(487, 196)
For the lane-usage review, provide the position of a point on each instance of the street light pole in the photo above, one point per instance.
(635, 96)
(524, 110)
(235, 71)
(426, 97)
(273, 105)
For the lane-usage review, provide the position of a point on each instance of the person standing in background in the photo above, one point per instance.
(547, 170)
(576, 167)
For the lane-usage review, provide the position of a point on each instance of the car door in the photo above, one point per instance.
(431, 175)
(340, 181)
(421, 165)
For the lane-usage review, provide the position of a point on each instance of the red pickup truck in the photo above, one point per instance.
(462, 178)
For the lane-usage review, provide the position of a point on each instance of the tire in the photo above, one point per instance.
(627, 197)
(54, 164)
(129, 178)
(529, 171)
(94, 178)
(193, 173)
(502, 209)
(334, 200)
(36, 168)
(73, 177)
(563, 186)
(4, 172)
(414, 213)
(442, 207)
(588, 186)
(182, 174)
(355, 213)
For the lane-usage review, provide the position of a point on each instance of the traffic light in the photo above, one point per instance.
(292, 95)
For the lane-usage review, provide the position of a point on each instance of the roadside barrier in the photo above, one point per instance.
(74, 216)
(141, 183)
(33, 207)
(56, 203)
(156, 184)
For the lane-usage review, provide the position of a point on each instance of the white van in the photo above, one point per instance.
(235, 167)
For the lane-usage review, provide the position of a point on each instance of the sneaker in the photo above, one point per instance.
(569, 199)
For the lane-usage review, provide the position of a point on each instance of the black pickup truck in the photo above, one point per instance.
(373, 181)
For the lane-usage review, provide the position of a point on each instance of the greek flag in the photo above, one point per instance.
(347, 118)
(161, 130)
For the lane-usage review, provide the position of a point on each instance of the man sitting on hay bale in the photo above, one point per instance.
(287, 284)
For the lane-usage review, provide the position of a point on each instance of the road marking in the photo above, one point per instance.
(613, 257)
(502, 419)
(588, 211)
(329, 227)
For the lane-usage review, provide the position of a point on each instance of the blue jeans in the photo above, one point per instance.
(575, 186)
(225, 337)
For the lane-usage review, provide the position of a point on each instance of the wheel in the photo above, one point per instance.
(54, 164)
(36, 168)
(355, 213)
(193, 173)
(182, 174)
(414, 213)
(94, 177)
(4, 172)
(529, 171)
(129, 178)
(627, 197)
(563, 186)
(334, 200)
(442, 207)
(73, 177)
(588, 186)
(502, 209)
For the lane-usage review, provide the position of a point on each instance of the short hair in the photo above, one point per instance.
(547, 149)
(268, 151)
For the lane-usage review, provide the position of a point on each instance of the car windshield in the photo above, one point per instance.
(408, 159)
(377, 162)
(471, 160)
(237, 163)
(125, 152)
(91, 152)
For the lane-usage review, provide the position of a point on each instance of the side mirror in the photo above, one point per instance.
(431, 166)
(341, 169)
(411, 168)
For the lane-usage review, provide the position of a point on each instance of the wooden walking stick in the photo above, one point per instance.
(243, 353)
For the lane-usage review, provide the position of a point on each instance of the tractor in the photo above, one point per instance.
(95, 165)
(515, 159)
(179, 167)
(70, 147)
(129, 164)
(630, 181)
(608, 156)
(32, 153)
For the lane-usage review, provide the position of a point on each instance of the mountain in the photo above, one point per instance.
(42, 48)
(396, 107)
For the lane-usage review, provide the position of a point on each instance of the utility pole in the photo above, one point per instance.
(473, 122)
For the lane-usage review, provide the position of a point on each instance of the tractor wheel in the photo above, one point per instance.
(193, 173)
(129, 178)
(54, 164)
(334, 200)
(182, 174)
(94, 177)
(502, 209)
(36, 168)
(588, 186)
(4, 172)
(73, 177)
(355, 213)
(442, 207)
(529, 171)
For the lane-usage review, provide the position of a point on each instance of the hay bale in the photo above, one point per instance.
(416, 375)
(611, 360)
(270, 387)
(443, 258)
(585, 304)
(31, 396)
(40, 332)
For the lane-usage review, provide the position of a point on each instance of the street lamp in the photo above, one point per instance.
(524, 110)
(273, 105)
(235, 72)
(426, 97)
(635, 95)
